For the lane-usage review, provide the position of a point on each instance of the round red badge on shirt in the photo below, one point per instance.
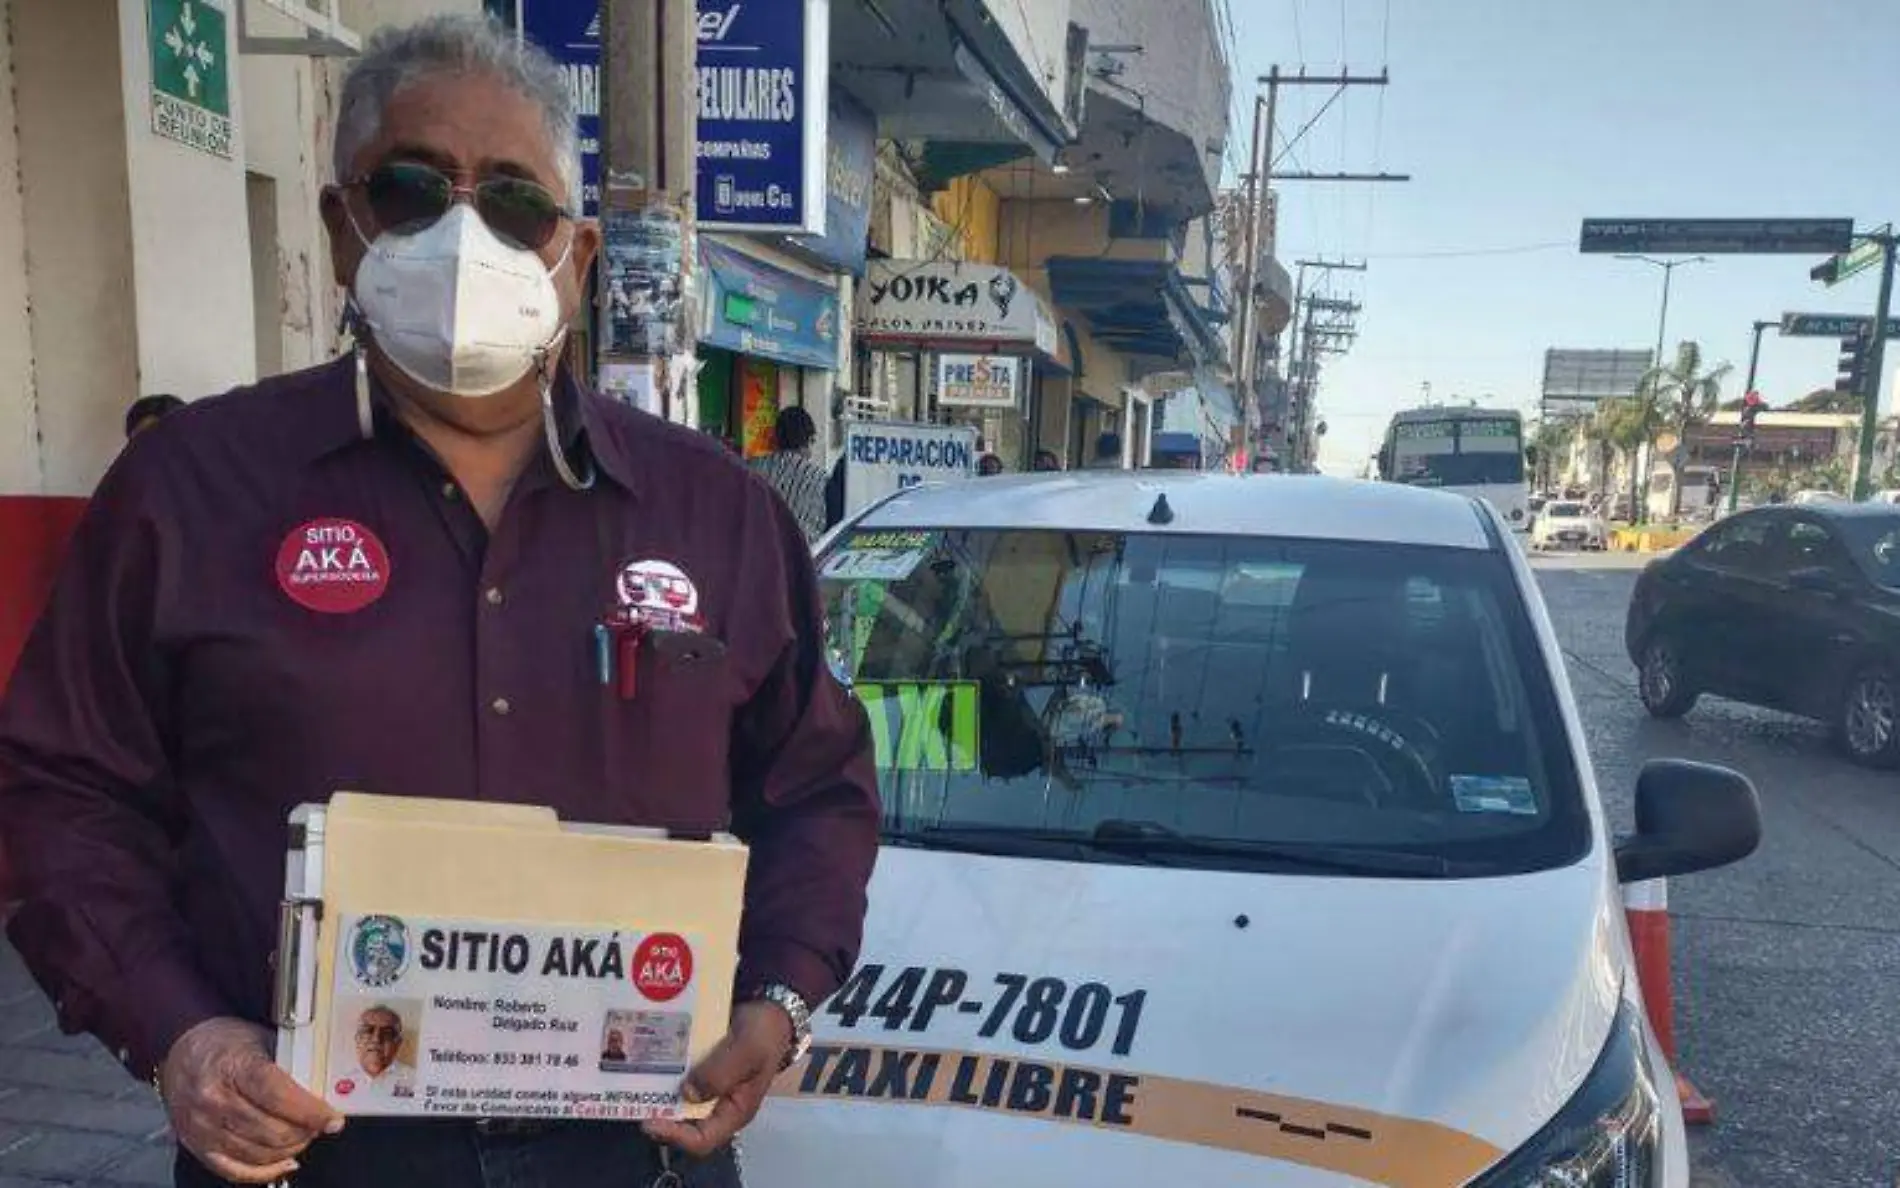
(333, 566)
(662, 967)
(345, 1087)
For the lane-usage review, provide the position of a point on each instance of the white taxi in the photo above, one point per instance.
(1238, 830)
(1568, 524)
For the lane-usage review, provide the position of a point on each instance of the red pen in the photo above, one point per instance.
(627, 658)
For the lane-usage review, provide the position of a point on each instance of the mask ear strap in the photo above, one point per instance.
(546, 365)
(365, 411)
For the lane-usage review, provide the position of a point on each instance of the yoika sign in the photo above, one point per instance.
(761, 93)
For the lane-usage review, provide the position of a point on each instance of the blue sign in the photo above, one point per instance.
(761, 135)
(569, 30)
(851, 166)
(763, 74)
(755, 309)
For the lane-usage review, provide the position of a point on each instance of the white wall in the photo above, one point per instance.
(1040, 32)
(191, 269)
(20, 469)
(78, 252)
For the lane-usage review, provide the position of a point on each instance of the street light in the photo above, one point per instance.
(1637, 501)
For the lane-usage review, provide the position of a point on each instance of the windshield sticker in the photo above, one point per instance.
(879, 556)
(1494, 794)
(923, 726)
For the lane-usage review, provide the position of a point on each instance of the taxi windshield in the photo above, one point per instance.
(1284, 694)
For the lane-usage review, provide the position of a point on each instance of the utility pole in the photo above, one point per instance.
(1876, 363)
(649, 151)
(1259, 179)
(1313, 339)
(1748, 392)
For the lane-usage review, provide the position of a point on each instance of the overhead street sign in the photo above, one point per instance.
(1717, 236)
(1819, 325)
(1859, 258)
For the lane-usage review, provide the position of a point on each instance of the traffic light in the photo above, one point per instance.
(1853, 366)
(1752, 405)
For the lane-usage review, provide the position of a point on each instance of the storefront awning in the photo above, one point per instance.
(754, 308)
(1138, 307)
(945, 305)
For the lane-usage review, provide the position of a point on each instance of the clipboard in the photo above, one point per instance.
(441, 958)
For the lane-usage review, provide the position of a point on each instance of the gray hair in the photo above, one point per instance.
(456, 44)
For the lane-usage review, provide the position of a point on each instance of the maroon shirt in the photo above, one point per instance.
(176, 701)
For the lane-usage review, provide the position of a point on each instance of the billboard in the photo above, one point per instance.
(1576, 380)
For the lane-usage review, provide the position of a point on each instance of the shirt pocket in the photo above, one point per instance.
(668, 746)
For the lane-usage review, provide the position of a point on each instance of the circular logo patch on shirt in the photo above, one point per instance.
(333, 566)
(662, 967)
(345, 1087)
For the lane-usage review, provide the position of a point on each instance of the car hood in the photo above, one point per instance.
(1022, 1021)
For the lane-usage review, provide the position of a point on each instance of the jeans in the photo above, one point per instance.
(440, 1154)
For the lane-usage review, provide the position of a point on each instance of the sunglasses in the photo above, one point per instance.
(408, 196)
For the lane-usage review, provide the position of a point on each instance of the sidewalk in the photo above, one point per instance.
(68, 1113)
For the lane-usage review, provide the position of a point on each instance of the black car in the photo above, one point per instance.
(1793, 608)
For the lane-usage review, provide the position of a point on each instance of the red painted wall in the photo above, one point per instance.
(33, 534)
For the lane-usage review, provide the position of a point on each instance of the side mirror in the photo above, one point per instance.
(1817, 579)
(1689, 817)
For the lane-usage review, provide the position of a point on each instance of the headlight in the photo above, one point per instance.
(1607, 1136)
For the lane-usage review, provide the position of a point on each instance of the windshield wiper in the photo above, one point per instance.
(1149, 838)
(1155, 843)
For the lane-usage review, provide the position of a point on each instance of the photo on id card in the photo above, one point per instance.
(648, 1043)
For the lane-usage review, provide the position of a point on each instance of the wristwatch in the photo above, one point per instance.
(795, 1007)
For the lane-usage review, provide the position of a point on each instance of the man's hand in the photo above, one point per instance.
(736, 1075)
(231, 1106)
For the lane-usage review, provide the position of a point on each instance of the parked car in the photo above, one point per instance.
(1566, 524)
(1151, 747)
(1812, 498)
(1793, 608)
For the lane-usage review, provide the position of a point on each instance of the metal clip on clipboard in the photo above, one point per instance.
(299, 919)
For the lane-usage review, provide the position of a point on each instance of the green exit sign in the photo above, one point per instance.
(741, 310)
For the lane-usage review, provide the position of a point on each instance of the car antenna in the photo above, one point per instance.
(1161, 513)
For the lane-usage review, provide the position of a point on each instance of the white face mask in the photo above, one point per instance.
(455, 308)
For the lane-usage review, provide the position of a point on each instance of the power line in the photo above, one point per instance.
(1462, 253)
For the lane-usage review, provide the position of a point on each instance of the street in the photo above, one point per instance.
(1782, 963)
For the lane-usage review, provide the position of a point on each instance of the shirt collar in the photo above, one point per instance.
(586, 434)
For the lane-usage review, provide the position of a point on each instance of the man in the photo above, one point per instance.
(988, 466)
(1108, 452)
(380, 1074)
(799, 481)
(615, 1051)
(146, 411)
(1046, 462)
(385, 574)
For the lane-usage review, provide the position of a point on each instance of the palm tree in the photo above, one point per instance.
(1619, 426)
(1681, 396)
(1548, 443)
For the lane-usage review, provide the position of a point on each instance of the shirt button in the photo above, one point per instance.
(451, 491)
(494, 596)
(501, 706)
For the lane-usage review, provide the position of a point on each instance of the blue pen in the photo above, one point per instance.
(604, 653)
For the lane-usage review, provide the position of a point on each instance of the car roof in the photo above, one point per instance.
(1311, 507)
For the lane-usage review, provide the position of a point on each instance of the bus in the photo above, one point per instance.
(1474, 451)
